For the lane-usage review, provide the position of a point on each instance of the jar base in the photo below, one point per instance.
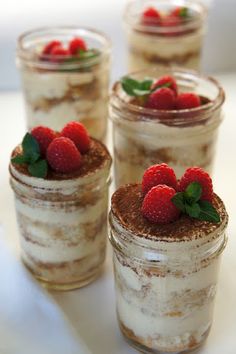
(83, 281)
(141, 348)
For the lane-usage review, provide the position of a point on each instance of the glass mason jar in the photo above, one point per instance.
(63, 225)
(181, 138)
(153, 45)
(58, 92)
(165, 287)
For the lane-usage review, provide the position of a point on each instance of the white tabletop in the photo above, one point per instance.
(91, 310)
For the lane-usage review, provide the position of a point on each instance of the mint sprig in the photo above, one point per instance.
(184, 12)
(82, 55)
(136, 88)
(31, 157)
(38, 168)
(189, 203)
(141, 89)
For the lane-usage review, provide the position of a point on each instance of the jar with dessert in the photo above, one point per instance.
(163, 32)
(167, 238)
(170, 116)
(60, 183)
(65, 76)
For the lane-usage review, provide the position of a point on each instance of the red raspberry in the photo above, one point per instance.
(197, 174)
(76, 45)
(58, 53)
(63, 156)
(44, 137)
(166, 80)
(158, 174)
(157, 206)
(151, 17)
(163, 98)
(187, 100)
(77, 132)
(48, 47)
(171, 21)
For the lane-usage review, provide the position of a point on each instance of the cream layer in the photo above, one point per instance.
(140, 144)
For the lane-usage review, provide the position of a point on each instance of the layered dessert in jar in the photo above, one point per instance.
(167, 238)
(163, 32)
(60, 182)
(169, 116)
(65, 77)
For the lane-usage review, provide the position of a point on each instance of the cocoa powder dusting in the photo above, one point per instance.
(126, 207)
(92, 160)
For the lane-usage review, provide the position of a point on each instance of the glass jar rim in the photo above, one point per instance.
(172, 117)
(186, 25)
(29, 56)
(146, 250)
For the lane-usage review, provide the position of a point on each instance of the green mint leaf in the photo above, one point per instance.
(129, 85)
(82, 55)
(31, 149)
(184, 12)
(38, 169)
(146, 84)
(88, 54)
(193, 210)
(136, 88)
(193, 192)
(178, 201)
(208, 212)
(19, 159)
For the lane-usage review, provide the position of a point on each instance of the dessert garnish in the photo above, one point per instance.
(49, 47)
(157, 205)
(161, 98)
(187, 100)
(44, 148)
(63, 156)
(44, 137)
(158, 174)
(161, 94)
(152, 17)
(31, 156)
(78, 134)
(180, 11)
(166, 81)
(76, 49)
(165, 199)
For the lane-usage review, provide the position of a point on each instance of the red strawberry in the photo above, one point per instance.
(163, 98)
(187, 100)
(44, 137)
(157, 206)
(158, 174)
(48, 47)
(78, 134)
(151, 17)
(63, 156)
(197, 174)
(166, 80)
(76, 45)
